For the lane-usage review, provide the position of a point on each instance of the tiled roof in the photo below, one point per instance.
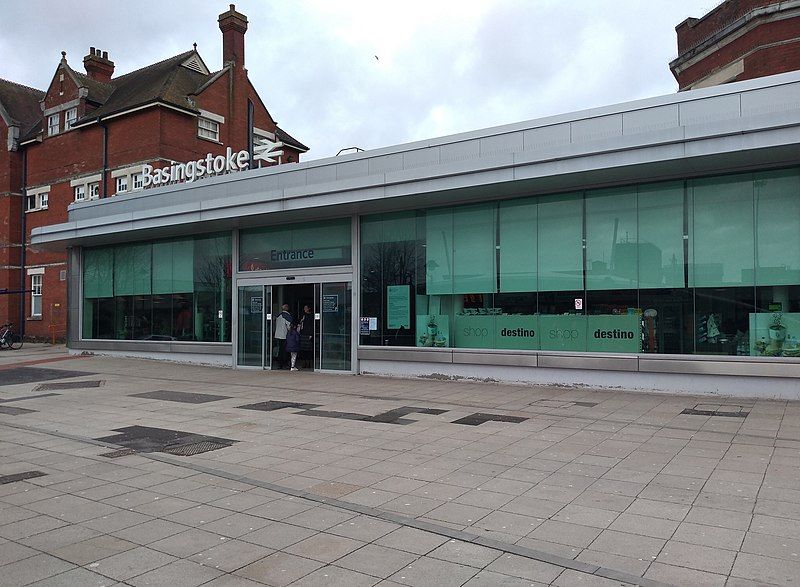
(166, 82)
(289, 140)
(20, 103)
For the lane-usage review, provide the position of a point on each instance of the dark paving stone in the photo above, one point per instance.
(36, 374)
(391, 417)
(586, 404)
(11, 411)
(694, 412)
(21, 398)
(271, 406)
(180, 396)
(69, 385)
(146, 439)
(20, 476)
(479, 418)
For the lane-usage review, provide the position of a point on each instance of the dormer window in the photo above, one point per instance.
(70, 117)
(53, 124)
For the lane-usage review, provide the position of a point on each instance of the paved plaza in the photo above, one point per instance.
(131, 472)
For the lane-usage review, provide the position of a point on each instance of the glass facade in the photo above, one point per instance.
(176, 289)
(706, 266)
(308, 244)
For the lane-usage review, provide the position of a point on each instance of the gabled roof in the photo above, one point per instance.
(20, 104)
(165, 81)
(288, 139)
(174, 81)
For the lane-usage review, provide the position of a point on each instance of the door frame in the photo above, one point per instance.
(309, 276)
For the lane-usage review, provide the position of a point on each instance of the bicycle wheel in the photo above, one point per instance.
(14, 342)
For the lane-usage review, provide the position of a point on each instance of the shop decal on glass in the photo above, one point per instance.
(256, 305)
(579, 303)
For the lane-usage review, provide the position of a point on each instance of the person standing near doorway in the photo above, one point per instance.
(293, 345)
(282, 325)
(307, 338)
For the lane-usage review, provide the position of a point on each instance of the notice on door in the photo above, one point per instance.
(398, 306)
(330, 303)
(256, 305)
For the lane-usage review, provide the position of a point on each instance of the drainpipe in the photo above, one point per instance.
(102, 124)
(23, 242)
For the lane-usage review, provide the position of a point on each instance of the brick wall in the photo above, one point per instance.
(694, 31)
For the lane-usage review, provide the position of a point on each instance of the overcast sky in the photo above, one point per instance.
(443, 66)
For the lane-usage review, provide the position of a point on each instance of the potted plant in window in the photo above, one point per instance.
(777, 331)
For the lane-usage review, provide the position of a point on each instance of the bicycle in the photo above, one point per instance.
(8, 338)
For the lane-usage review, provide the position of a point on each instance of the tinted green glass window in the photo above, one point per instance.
(612, 257)
(306, 244)
(162, 267)
(474, 252)
(560, 234)
(182, 266)
(723, 231)
(661, 251)
(98, 273)
(132, 274)
(439, 251)
(518, 244)
(777, 197)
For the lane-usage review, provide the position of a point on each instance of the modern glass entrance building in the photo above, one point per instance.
(649, 245)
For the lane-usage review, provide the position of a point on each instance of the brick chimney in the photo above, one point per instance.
(233, 26)
(98, 66)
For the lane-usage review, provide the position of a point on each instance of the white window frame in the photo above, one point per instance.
(208, 129)
(53, 124)
(37, 198)
(137, 182)
(122, 184)
(80, 192)
(36, 294)
(93, 190)
(69, 117)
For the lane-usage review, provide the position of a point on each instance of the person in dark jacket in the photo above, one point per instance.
(293, 344)
(307, 338)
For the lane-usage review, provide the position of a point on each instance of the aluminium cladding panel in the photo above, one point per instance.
(709, 366)
(460, 151)
(593, 362)
(545, 138)
(710, 109)
(652, 119)
(597, 128)
(509, 359)
(221, 348)
(504, 143)
(417, 158)
(781, 98)
(411, 354)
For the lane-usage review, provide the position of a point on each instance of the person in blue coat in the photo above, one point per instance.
(293, 344)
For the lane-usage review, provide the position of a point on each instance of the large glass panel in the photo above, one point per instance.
(667, 320)
(307, 244)
(777, 197)
(439, 251)
(176, 289)
(722, 320)
(474, 249)
(251, 326)
(612, 257)
(660, 230)
(517, 228)
(775, 325)
(560, 243)
(723, 231)
(336, 326)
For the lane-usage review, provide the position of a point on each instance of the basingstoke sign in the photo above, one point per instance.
(231, 161)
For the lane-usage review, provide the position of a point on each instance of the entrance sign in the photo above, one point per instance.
(398, 306)
(188, 172)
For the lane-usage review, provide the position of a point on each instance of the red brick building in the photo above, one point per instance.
(738, 40)
(89, 135)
